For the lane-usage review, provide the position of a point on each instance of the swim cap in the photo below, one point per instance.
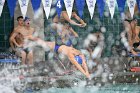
(78, 59)
(26, 18)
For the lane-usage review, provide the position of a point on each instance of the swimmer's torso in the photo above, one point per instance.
(61, 19)
(62, 35)
(65, 50)
(22, 33)
(19, 37)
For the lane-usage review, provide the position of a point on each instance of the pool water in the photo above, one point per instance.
(116, 88)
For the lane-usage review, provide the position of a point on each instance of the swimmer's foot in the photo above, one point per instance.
(83, 25)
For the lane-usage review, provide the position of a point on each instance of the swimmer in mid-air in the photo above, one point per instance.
(132, 30)
(62, 27)
(70, 52)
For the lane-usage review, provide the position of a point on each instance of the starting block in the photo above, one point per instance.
(8, 57)
(133, 60)
(135, 69)
(9, 61)
(131, 55)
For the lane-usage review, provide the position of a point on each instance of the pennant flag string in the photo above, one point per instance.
(121, 5)
(35, 4)
(59, 6)
(111, 6)
(47, 6)
(101, 5)
(69, 6)
(1, 6)
(138, 4)
(91, 6)
(80, 6)
(23, 6)
(11, 6)
(131, 5)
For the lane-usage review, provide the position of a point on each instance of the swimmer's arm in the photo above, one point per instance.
(30, 37)
(74, 62)
(133, 52)
(74, 33)
(12, 45)
(12, 38)
(11, 42)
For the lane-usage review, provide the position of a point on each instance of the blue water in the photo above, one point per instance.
(117, 88)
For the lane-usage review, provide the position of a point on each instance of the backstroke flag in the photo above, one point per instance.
(23, 6)
(80, 6)
(111, 6)
(1, 6)
(101, 5)
(69, 6)
(91, 6)
(35, 5)
(11, 6)
(131, 4)
(47, 7)
(59, 6)
(138, 3)
(121, 5)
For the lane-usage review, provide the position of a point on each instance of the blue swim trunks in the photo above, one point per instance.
(56, 48)
(78, 59)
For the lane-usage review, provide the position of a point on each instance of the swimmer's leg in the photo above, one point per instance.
(30, 57)
(23, 57)
(77, 17)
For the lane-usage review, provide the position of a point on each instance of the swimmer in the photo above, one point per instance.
(70, 52)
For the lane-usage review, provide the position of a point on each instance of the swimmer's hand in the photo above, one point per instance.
(20, 45)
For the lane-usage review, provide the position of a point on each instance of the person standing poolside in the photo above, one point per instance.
(130, 25)
(24, 31)
(16, 39)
